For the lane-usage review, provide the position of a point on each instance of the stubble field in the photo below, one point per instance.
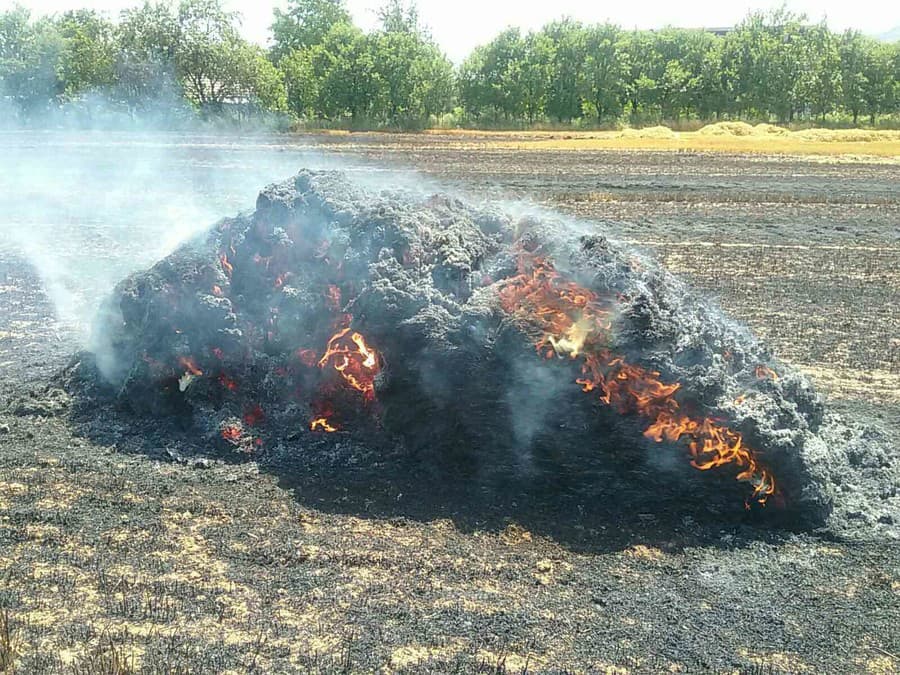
(116, 555)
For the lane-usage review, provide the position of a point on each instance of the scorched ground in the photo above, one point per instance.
(124, 539)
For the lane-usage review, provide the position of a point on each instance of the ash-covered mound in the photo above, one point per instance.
(483, 343)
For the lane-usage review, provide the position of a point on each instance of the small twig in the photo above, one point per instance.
(886, 653)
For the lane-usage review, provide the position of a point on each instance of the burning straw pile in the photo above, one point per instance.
(485, 343)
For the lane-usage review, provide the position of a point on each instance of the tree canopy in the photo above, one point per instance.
(322, 69)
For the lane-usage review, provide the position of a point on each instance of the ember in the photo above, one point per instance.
(763, 372)
(254, 416)
(227, 382)
(232, 434)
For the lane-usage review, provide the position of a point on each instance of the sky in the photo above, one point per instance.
(460, 25)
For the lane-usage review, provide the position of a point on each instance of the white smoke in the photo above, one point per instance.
(85, 209)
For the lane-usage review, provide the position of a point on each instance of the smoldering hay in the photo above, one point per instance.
(490, 343)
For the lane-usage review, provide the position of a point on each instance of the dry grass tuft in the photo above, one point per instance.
(10, 644)
(727, 129)
(648, 132)
(106, 658)
(732, 137)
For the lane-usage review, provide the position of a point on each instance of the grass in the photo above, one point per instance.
(10, 644)
(731, 137)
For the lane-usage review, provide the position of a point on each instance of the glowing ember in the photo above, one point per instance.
(226, 266)
(575, 323)
(227, 382)
(254, 416)
(321, 424)
(232, 433)
(280, 279)
(763, 372)
(217, 291)
(356, 361)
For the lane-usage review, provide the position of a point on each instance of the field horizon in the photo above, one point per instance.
(719, 137)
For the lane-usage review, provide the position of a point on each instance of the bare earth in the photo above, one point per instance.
(115, 555)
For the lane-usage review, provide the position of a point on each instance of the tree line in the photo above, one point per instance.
(180, 61)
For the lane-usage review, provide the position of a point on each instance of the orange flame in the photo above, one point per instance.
(280, 279)
(190, 365)
(356, 361)
(322, 424)
(762, 372)
(226, 266)
(575, 322)
(217, 291)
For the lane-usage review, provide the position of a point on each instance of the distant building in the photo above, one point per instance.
(720, 31)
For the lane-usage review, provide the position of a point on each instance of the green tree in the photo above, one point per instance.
(305, 24)
(640, 59)
(568, 38)
(150, 32)
(716, 95)
(854, 56)
(603, 76)
(217, 67)
(29, 54)
(824, 71)
(399, 16)
(416, 78)
(261, 83)
(345, 68)
(87, 60)
(434, 83)
(881, 90)
(492, 79)
(149, 37)
(208, 51)
(536, 73)
(302, 86)
(472, 84)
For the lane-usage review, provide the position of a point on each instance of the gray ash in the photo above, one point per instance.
(385, 317)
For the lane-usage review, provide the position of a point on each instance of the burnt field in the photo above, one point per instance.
(123, 548)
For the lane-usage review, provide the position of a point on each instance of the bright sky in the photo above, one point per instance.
(460, 25)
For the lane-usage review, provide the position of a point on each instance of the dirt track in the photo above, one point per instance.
(116, 550)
